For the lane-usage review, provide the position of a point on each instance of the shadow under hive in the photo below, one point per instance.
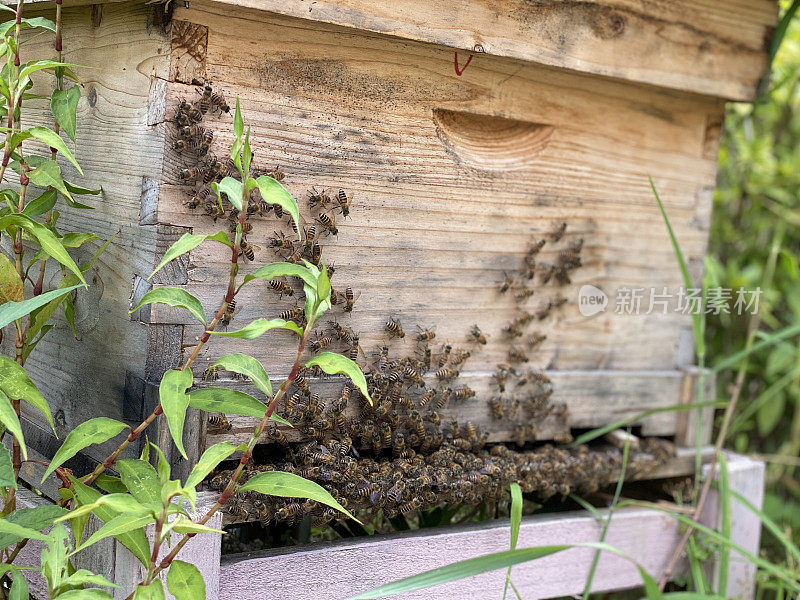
(397, 454)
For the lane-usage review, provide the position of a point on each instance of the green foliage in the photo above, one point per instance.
(175, 401)
(173, 296)
(185, 582)
(93, 431)
(248, 366)
(334, 364)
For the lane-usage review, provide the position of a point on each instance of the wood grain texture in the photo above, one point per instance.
(648, 535)
(704, 46)
(452, 178)
(117, 145)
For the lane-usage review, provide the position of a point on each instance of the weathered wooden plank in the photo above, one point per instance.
(372, 563)
(116, 148)
(593, 398)
(709, 47)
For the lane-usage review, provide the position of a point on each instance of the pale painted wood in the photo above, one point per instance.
(647, 535)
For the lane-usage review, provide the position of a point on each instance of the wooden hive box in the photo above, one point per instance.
(463, 132)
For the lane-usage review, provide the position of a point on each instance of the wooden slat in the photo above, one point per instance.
(85, 378)
(708, 46)
(593, 398)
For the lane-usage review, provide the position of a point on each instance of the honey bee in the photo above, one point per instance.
(515, 355)
(290, 513)
(329, 223)
(445, 355)
(302, 383)
(414, 376)
(433, 417)
(394, 327)
(350, 299)
(355, 348)
(204, 103)
(247, 250)
(344, 202)
(476, 335)
(320, 343)
(189, 175)
(513, 408)
(318, 199)
(311, 235)
(523, 294)
(446, 374)
(547, 273)
(559, 232)
(425, 335)
(280, 286)
(500, 378)
(280, 241)
(534, 250)
(219, 422)
(558, 301)
(217, 100)
(506, 284)
(426, 358)
(536, 339)
(463, 393)
(496, 408)
(458, 358)
(443, 398)
(188, 132)
(513, 329)
(292, 314)
(227, 316)
(426, 397)
(279, 436)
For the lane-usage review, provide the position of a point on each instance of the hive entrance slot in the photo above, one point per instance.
(491, 143)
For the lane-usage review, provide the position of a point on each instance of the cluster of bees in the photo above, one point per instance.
(398, 454)
(460, 472)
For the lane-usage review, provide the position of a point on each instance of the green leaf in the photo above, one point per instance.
(516, 519)
(42, 204)
(135, 541)
(141, 479)
(238, 122)
(173, 296)
(209, 461)
(47, 240)
(75, 240)
(185, 582)
(232, 188)
(118, 526)
(84, 577)
(119, 503)
(11, 289)
(274, 193)
(154, 591)
(333, 363)
(281, 269)
(87, 594)
(79, 190)
(7, 478)
(247, 153)
(64, 106)
(9, 419)
(19, 588)
(222, 400)
(93, 431)
(52, 139)
(14, 381)
(184, 525)
(323, 291)
(11, 311)
(248, 366)
(39, 517)
(19, 532)
(259, 327)
(37, 65)
(185, 243)
(110, 484)
(279, 483)
(175, 401)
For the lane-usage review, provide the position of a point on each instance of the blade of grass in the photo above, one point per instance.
(725, 517)
(617, 492)
(587, 507)
(516, 519)
(769, 340)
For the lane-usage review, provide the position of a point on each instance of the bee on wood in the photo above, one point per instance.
(204, 104)
(188, 132)
(463, 393)
(355, 348)
(278, 436)
(513, 408)
(414, 376)
(219, 422)
(341, 333)
(547, 271)
(329, 223)
(506, 284)
(559, 232)
(189, 175)
(227, 316)
(426, 335)
(234, 218)
(475, 335)
(350, 299)
(534, 249)
(558, 301)
(281, 242)
(496, 408)
(523, 294)
(302, 384)
(311, 235)
(247, 250)
(318, 199)
(433, 417)
(515, 355)
(426, 358)
(458, 358)
(513, 329)
(217, 101)
(344, 202)
(426, 397)
(394, 327)
(281, 286)
(444, 356)
(536, 339)
(443, 398)
(446, 374)
(320, 343)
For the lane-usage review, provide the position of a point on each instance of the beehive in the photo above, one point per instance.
(462, 134)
